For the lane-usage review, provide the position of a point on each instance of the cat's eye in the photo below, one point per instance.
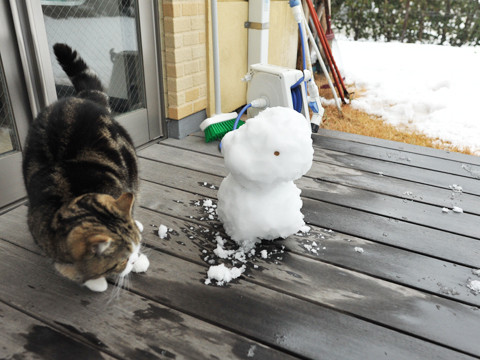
(276, 153)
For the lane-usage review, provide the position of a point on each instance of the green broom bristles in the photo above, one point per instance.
(217, 131)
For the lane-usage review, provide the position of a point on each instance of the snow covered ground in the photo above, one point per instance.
(429, 88)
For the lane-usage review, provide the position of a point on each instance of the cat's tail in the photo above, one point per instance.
(81, 76)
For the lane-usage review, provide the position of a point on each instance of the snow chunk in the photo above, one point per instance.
(474, 285)
(162, 231)
(457, 209)
(222, 253)
(456, 188)
(222, 274)
(139, 225)
(264, 254)
(359, 249)
(445, 210)
(207, 203)
(305, 229)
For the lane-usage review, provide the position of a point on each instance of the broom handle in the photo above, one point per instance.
(216, 58)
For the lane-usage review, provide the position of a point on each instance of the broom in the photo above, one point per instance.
(218, 125)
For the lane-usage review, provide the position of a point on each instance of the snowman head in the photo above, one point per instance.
(274, 146)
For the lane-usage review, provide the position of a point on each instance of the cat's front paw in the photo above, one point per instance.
(98, 285)
(141, 264)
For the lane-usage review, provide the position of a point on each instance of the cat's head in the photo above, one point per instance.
(103, 238)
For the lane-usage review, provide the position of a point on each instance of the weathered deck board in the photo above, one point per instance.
(404, 297)
(444, 154)
(26, 337)
(415, 177)
(416, 160)
(128, 327)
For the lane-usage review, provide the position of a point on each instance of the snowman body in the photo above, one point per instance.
(259, 199)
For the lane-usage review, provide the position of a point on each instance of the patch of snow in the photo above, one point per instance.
(445, 210)
(359, 249)
(305, 229)
(222, 274)
(417, 92)
(251, 351)
(162, 231)
(456, 188)
(139, 225)
(457, 210)
(222, 253)
(207, 203)
(474, 286)
(264, 254)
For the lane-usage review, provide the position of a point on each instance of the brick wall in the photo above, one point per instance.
(184, 25)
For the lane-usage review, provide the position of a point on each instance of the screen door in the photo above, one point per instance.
(116, 38)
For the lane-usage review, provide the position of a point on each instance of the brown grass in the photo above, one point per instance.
(358, 122)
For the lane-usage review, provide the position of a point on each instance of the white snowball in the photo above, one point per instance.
(162, 231)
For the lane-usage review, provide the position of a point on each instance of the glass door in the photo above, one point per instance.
(14, 112)
(117, 40)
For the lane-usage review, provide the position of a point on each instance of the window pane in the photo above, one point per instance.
(105, 35)
(8, 137)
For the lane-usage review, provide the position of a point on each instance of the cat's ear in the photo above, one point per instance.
(97, 244)
(125, 203)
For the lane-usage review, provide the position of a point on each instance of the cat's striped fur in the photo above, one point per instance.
(80, 172)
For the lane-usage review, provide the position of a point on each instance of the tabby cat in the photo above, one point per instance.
(80, 172)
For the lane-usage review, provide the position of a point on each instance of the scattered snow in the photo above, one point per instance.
(162, 231)
(359, 249)
(139, 225)
(426, 87)
(223, 274)
(222, 253)
(207, 203)
(251, 351)
(305, 229)
(456, 188)
(474, 285)
(258, 199)
(457, 209)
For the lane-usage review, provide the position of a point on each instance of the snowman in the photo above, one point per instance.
(258, 199)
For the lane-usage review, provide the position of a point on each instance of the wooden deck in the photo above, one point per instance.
(405, 297)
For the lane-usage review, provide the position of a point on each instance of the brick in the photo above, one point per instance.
(191, 67)
(168, 25)
(202, 7)
(173, 40)
(199, 105)
(175, 70)
(191, 95)
(190, 38)
(179, 112)
(202, 91)
(197, 23)
(199, 51)
(202, 38)
(181, 24)
(182, 55)
(189, 9)
(172, 9)
(179, 84)
(199, 79)
(176, 99)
